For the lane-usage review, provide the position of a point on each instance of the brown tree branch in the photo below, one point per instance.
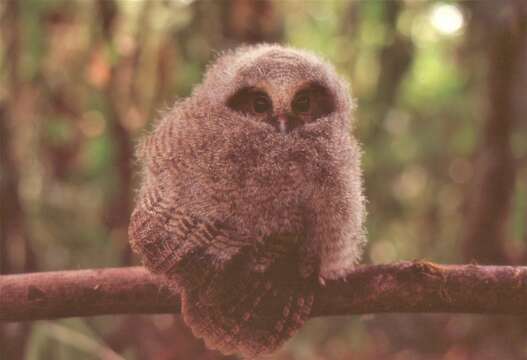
(406, 287)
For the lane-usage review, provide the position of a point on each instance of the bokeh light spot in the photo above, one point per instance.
(447, 19)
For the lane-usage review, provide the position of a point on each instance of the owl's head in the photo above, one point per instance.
(282, 87)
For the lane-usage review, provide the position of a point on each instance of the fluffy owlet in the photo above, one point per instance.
(251, 196)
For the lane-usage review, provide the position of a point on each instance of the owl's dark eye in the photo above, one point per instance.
(250, 101)
(261, 104)
(301, 103)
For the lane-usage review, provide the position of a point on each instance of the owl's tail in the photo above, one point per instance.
(248, 312)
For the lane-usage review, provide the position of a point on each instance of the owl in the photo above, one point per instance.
(251, 196)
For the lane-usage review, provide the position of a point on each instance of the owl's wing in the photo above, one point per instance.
(174, 243)
(238, 298)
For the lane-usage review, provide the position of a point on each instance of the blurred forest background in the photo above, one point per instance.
(441, 88)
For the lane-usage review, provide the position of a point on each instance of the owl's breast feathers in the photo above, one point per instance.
(238, 296)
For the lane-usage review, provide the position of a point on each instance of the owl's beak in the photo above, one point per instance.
(283, 123)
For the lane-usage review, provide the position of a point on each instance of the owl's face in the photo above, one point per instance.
(284, 106)
(285, 89)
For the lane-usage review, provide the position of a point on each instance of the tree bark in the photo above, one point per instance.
(406, 287)
(502, 28)
(14, 235)
(118, 101)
